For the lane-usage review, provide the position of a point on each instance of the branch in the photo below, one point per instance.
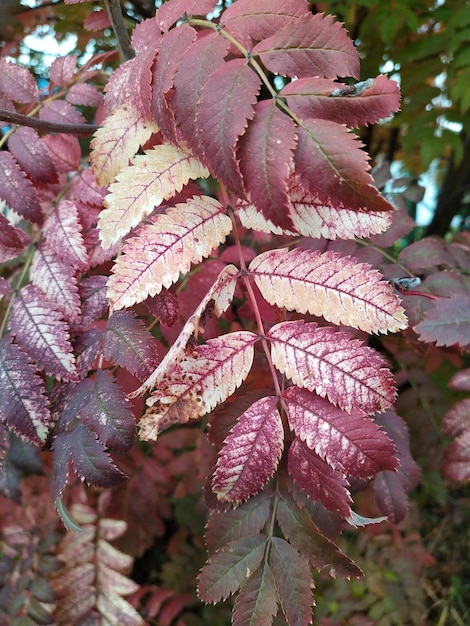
(53, 127)
(113, 8)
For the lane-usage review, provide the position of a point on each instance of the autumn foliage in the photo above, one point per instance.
(220, 252)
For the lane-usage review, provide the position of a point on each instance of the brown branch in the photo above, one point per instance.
(51, 127)
(113, 8)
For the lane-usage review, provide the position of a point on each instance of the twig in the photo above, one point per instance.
(113, 8)
(53, 127)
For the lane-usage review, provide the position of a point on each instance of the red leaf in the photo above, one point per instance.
(310, 45)
(171, 50)
(23, 402)
(58, 282)
(333, 167)
(129, 344)
(64, 150)
(94, 301)
(353, 105)
(318, 479)
(332, 364)
(190, 80)
(460, 381)
(61, 112)
(257, 601)
(424, 254)
(63, 235)
(230, 567)
(88, 456)
(447, 323)
(131, 83)
(250, 453)
(17, 190)
(457, 458)
(85, 95)
(41, 332)
(293, 582)
(265, 154)
(349, 442)
(13, 240)
(17, 82)
(247, 20)
(227, 102)
(164, 306)
(32, 155)
(62, 69)
(170, 12)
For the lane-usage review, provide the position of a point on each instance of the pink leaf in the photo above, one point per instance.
(23, 402)
(339, 289)
(310, 45)
(17, 190)
(333, 167)
(447, 323)
(170, 12)
(166, 247)
(171, 50)
(190, 80)
(58, 282)
(247, 20)
(129, 344)
(230, 568)
(41, 332)
(85, 95)
(13, 240)
(293, 582)
(318, 479)
(348, 442)
(196, 384)
(265, 154)
(31, 153)
(250, 453)
(457, 458)
(62, 69)
(227, 102)
(353, 105)
(63, 235)
(61, 112)
(333, 365)
(461, 380)
(17, 82)
(64, 151)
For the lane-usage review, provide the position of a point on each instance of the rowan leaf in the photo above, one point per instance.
(190, 80)
(129, 344)
(333, 167)
(340, 289)
(23, 402)
(310, 45)
(88, 457)
(39, 329)
(244, 520)
(57, 281)
(196, 384)
(293, 582)
(334, 365)
(62, 69)
(319, 480)
(353, 105)
(17, 82)
(170, 12)
(61, 112)
(165, 248)
(348, 442)
(221, 295)
(247, 20)
(447, 323)
(265, 153)
(142, 186)
(230, 568)
(227, 102)
(94, 302)
(250, 453)
(299, 529)
(32, 155)
(13, 240)
(18, 191)
(63, 235)
(113, 145)
(256, 604)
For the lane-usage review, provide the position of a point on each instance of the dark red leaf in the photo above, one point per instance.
(13, 240)
(164, 306)
(94, 302)
(226, 104)
(31, 153)
(63, 235)
(447, 323)
(17, 190)
(257, 601)
(265, 153)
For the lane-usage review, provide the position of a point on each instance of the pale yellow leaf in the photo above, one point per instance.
(142, 186)
(196, 384)
(166, 248)
(121, 135)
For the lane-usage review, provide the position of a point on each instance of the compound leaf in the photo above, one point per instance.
(447, 323)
